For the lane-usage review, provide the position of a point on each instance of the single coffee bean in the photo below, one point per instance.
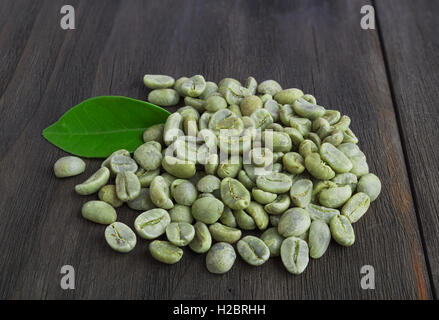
(294, 222)
(257, 212)
(108, 194)
(234, 194)
(228, 219)
(348, 178)
(181, 213)
(99, 212)
(127, 186)
(356, 207)
(222, 233)
(273, 240)
(318, 239)
(165, 251)
(321, 213)
(154, 133)
(143, 201)
(152, 224)
(164, 97)
(263, 197)
(208, 183)
(278, 206)
(68, 167)
(120, 237)
(335, 197)
(211, 88)
(244, 220)
(158, 81)
(335, 158)
(179, 168)
(207, 209)
(220, 258)
(253, 250)
(146, 176)
(300, 192)
(120, 163)
(180, 233)
(342, 231)
(288, 96)
(317, 168)
(370, 184)
(183, 192)
(294, 253)
(148, 155)
(307, 110)
(269, 87)
(293, 162)
(160, 193)
(202, 240)
(194, 86)
(94, 183)
(251, 84)
(274, 182)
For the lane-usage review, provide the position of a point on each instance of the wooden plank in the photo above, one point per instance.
(314, 45)
(409, 33)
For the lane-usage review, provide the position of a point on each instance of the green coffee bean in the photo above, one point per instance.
(263, 197)
(294, 222)
(207, 209)
(152, 224)
(208, 183)
(265, 97)
(127, 186)
(257, 212)
(294, 255)
(194, 86)
(262, 119)
(274, 182)
(215, 103)
(160, 193)
(183, 192)
(335, 138)
(359, 166)
(278, 206)
(68, 167)
(335, 197)
(120, 237)
(220, 258)
(236, 110)
(285, 114)
(173, 128)
(343, 179)
(250, 104)
(251, 84)
(307, 147)
(168, 178)
(146, 176)
(202, 240)
(142, 202)
(269, 87)
(288, 96)
(229, 170)
(211, 88)
(195, 103)
(154, 133)
(120, 163)
(343, 124)
(165, 252)
(335, 158)
(273, 240)
(179, 168)
(94, 183)
(122, 152)
(274, 220)
(308, 110)
(222, 233)
(234, 93)
(148, 155)
(370, 184)
(180, 233)
(156, 81)
(245, 180)
(253, 250)
(318, 239)
(181, 213)
(342, 231)
(300, 192)
(108, 195)
(349, 136)
(99, 212)
(317, 168)
(244, 220)
(309, 98)
(295, 136)
(280, 141)
(228, 219)
(273, 108)
(356, 207)
(321, 213)
(332, 116)
(234, 194)
(303, 125)
(178, 83)
(164, 97)
(293, 162)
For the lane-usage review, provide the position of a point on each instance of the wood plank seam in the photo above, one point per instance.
(404, 150)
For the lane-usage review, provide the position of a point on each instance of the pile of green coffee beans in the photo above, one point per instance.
(235, 158)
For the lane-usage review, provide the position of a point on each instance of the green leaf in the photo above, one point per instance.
(99, 126)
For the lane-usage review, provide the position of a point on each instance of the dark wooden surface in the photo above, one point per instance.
(385, 79)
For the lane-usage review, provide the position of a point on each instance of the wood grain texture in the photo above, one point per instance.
(314, 45)
(409, 33)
